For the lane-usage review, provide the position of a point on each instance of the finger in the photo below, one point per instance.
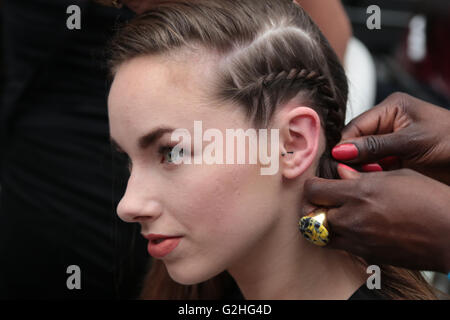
(372, 148)
(352, 246)
(371, 167)
(336, 221)
(390, 163)
(384, 118)
(338, 242)
(325, 192)
(307, 208)
(346, 172)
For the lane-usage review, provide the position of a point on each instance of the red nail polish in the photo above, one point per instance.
(346, 151)
(372, 167)
(346, 167)
(389, 161)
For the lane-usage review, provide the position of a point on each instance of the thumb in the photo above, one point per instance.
(372, 148)
(346, 172)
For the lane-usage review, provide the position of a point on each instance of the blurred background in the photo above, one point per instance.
(410, 53)
(411, 50)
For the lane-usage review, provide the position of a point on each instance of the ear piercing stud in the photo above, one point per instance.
(283, 154)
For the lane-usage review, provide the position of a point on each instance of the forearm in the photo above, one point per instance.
(332, 20)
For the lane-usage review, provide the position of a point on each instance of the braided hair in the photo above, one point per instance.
(270, 52)
(268, 91)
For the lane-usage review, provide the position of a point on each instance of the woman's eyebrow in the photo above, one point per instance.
(146, 140)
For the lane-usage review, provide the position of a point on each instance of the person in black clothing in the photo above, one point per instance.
(60, 183)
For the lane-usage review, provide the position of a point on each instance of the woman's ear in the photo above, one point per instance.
(300, 136)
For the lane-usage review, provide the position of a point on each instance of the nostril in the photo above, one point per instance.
(138, 210)
(139, 218)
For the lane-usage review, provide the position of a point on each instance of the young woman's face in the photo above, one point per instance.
(220, 211)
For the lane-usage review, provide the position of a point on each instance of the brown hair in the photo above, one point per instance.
(272, 52)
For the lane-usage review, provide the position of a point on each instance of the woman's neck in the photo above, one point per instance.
(286, 266)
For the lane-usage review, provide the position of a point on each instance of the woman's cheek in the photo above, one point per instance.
(214, 198)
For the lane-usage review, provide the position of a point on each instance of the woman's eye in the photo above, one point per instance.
(169, 154)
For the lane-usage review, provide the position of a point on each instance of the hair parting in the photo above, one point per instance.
(270, 52)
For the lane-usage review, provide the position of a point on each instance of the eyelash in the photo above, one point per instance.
(161, 151)
(164, 148)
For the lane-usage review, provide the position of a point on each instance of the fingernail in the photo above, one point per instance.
(389, 161)
(346, 151)
(346, 167)
(371, 167)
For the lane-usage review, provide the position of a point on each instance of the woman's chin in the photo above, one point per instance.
(187, 280)
(187, 277)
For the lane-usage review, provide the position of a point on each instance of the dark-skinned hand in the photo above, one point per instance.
(399, 217)
(409, 132)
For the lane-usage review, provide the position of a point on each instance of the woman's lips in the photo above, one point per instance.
(163, 248)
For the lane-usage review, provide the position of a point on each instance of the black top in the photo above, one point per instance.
(364, 293)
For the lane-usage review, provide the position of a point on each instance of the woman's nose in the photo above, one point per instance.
(138, 205)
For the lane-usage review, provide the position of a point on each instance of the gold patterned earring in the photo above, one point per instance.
(314, 227)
